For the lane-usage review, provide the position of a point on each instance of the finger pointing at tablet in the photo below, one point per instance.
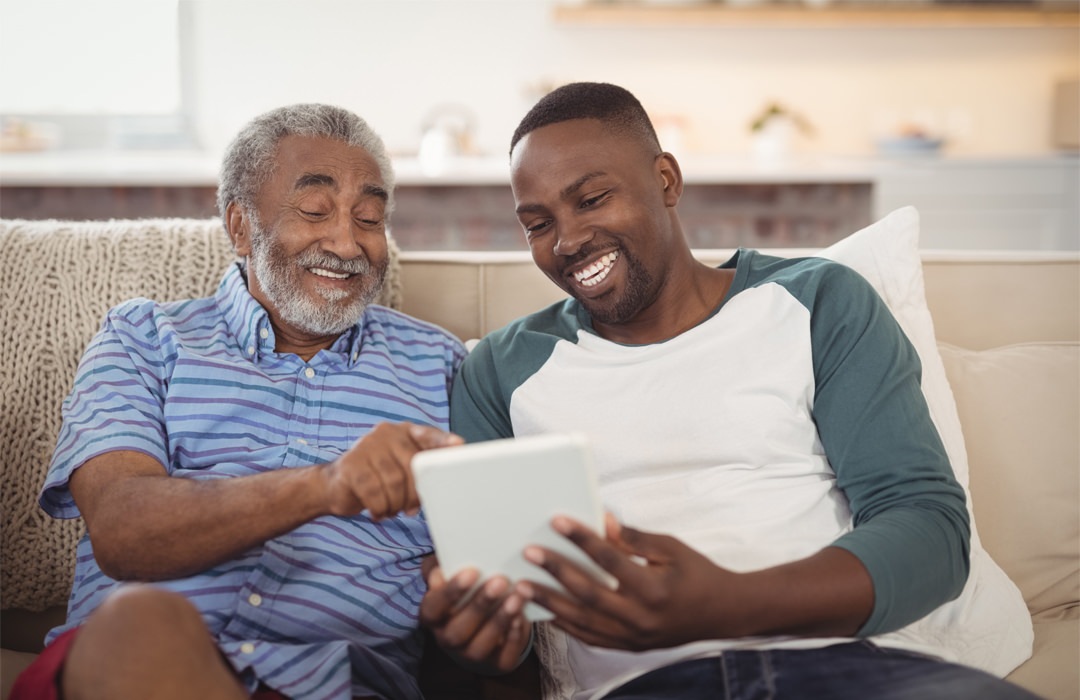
(375, 474)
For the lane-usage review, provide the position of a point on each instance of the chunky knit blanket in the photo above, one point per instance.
(57, 280)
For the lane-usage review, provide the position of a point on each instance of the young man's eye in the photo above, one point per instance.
(537, 227)
(590, 201)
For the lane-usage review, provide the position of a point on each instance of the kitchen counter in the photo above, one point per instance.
(730, 200)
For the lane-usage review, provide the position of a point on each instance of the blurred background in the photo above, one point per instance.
(796, 122)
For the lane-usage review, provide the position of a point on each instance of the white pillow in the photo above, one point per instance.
(989, 625)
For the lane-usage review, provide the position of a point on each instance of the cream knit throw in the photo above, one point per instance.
(57, 280)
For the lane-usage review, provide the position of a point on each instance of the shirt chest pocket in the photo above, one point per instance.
(220, 412)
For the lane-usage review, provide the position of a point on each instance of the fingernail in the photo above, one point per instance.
(467, 578)
(561, 525)
(524, 589)
(512, 605)
(534, 555)
(495, 587)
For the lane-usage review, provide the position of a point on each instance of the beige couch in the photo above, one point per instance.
(1006, 323)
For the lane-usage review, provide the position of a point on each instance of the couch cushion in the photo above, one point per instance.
(12, 663)
(59, 279)
(1051, 672)
(1020, 408)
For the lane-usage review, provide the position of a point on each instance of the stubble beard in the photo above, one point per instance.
(333, 311)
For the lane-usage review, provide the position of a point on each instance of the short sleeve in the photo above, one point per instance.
(115, 404)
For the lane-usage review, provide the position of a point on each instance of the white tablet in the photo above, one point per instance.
(486, 501)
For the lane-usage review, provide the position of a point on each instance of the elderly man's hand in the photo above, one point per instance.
(488, 633)
(375, 473)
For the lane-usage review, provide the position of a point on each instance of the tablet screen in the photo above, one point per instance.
(485, 502)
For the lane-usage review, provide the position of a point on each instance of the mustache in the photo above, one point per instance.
(328, 261)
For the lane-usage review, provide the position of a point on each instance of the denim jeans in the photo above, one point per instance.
(853, 671)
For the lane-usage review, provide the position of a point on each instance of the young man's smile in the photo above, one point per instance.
(593, 277)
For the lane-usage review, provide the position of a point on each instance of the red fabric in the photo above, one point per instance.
(41, 679)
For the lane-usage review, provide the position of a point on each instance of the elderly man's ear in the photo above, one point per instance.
(238, 227)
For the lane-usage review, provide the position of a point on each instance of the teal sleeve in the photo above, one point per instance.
(911, 527)
(478, 408)
(500, 363)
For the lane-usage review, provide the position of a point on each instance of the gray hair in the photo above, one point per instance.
(249, 159)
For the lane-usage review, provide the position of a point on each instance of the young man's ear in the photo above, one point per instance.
(239, 229)
(670, 177)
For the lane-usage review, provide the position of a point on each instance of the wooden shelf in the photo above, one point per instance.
(833, 14)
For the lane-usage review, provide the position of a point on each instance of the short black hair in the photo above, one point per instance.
(611, 104)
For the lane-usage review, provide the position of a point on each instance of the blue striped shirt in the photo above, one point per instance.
(328, 610)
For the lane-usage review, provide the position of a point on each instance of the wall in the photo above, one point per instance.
(393, 61)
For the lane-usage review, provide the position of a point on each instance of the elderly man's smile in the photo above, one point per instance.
(323, 272)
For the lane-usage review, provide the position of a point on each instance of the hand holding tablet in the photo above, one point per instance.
(485, 502)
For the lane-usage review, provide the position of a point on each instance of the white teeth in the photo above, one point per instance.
(594, 274)
(327, 273)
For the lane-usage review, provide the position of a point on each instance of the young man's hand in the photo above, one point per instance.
(663, 594)
(670, 594)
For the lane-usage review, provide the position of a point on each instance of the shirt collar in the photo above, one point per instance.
(249, 323)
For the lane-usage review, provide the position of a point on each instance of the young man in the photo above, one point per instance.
(766, 416)
(249, 453)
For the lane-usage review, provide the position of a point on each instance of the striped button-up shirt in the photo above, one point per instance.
(328, 610)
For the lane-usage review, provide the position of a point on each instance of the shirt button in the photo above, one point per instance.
(247, 648)
(302, 441)
(309, 373)
(255, 599)
(251, 349)
(263, 333)
(355, 355)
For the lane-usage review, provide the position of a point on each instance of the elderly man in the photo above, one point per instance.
(766, 416)
(245, 457)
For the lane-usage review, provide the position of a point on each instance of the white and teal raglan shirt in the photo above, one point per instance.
(789, 420)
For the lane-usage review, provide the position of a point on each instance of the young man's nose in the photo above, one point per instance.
(570, 238)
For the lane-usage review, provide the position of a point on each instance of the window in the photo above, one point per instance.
(107, 70)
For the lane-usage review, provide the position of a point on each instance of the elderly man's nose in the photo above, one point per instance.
(341, 238)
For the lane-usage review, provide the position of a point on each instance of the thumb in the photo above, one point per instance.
(613, 533)
(427, 437)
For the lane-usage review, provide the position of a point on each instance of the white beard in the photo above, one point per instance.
(332, 312)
